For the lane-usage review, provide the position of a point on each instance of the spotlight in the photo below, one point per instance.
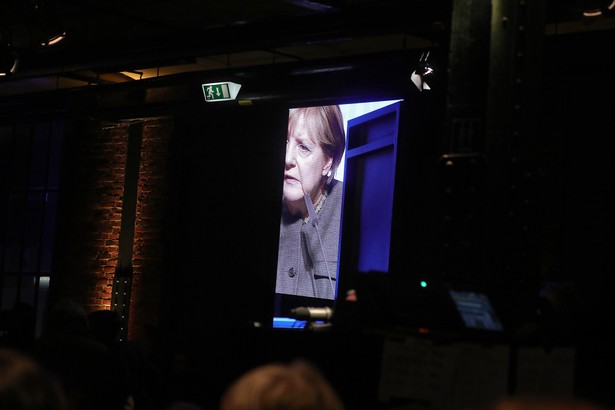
(423, 73)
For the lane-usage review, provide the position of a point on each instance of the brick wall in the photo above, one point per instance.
(91, 215)
(148, 251)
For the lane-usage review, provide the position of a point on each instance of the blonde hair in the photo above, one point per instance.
(278, 386)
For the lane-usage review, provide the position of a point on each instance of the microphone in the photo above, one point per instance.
(311, 210)
(308, 202)
(312, 313)
(314, 220)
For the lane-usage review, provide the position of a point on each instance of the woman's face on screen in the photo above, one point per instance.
(306, 163)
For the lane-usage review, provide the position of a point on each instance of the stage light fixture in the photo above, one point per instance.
(423, 73)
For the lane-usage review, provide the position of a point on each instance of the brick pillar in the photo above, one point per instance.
(92, 193)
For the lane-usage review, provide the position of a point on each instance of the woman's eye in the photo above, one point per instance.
(303, 149)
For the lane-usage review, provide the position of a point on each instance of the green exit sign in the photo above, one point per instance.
(215, 92)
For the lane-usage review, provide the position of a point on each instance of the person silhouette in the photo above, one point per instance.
(145, 380)
(92, 375)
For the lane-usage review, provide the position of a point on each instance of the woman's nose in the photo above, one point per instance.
(290, 156)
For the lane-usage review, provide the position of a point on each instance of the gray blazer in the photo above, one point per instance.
(302, 269)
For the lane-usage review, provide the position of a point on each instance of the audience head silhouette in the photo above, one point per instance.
(94, 377)
(25, 385)
(281, 386)
(68, 317)
(105, 325)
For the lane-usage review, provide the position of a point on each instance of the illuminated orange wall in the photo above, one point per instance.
(90, 218)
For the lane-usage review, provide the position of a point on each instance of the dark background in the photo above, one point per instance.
(525, 210)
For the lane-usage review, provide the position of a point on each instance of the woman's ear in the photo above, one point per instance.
(327, 167)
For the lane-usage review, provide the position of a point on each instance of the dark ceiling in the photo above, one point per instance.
(111, 41)
(105, 37)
